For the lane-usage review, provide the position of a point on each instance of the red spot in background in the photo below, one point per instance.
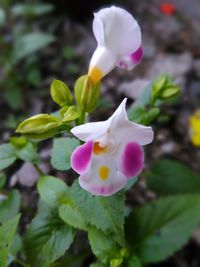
(167, 9)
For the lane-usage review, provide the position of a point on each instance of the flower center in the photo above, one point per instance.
(97, 149)
(104, 172)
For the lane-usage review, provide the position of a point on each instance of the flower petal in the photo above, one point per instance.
(132, 160)
(81, 157)
(102, 62)
(91, 130)
(98, 29)
(129, 62)
(122, 129)
(102, 178)
(121, 31)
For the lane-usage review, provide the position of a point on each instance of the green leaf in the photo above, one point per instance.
(133, 262)
(159, 229)
(7, 233)
(107, 212)
(97, 264)
(143, 116)
(60, 93)
(14, 97)
(130, 183)
(30, 43)
(7, 156)
(61, 152)
(2, 180)
(47, 238)
(69, 113)
(15, 249)
(28, 153)
(52, 190)
(168, 177)
(31, 9)
(10, 206)
(102, 245)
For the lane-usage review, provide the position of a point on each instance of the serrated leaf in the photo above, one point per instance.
(102, 245)
(159, 229)
(52, 190)
(107, 212)
(47, 238)
(7, 233)
(7, 156)
(9, 207)
(30, 43)
(168, 177)
(61, 152)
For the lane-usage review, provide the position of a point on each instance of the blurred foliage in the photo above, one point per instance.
(20, 44)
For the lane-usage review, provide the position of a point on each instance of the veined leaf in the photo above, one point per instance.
(7, 233)
(159, 229)
(169, 177)
(47, 238)
(61, 153)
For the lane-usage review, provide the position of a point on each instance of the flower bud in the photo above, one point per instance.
(87, 94)
(60, 93)
(40, 126)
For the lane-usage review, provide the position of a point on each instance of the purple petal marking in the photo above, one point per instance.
(81, 157)
(136, 57)
(132, 160)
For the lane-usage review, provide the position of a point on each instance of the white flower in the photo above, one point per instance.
(118, 38)
(112, 153)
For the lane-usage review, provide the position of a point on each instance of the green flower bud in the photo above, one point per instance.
(70, 113)
(40, 126)
(87, 94)
(116, 262)
(18, 142)
(60, 93)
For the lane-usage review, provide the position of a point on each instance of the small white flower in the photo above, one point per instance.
(118, 38)
(112, 153)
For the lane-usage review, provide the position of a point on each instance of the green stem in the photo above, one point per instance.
(81, 118)
(38, 169)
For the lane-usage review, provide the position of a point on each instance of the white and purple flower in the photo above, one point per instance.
(112, 153)
(118, 38)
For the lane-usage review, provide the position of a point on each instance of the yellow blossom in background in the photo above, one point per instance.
(194, 122)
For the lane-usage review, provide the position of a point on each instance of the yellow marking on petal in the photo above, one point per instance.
(97, 149)
(95, 74)
(104, 172)
(195, 128)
